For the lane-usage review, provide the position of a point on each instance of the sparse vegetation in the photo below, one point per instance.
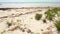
(38, 16)
(18, 20)
(8, 23)
(44, 20)
(3, 31)
(57, 24)
(51, 13)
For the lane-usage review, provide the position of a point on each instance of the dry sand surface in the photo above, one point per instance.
(23, 21)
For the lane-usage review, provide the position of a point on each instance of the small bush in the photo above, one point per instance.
(38, 16)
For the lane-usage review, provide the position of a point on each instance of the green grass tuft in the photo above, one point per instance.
(57, 24)
(51, 13)
(38, 16)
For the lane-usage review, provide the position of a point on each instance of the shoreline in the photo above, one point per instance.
(30, 7)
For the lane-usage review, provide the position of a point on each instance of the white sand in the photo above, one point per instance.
(28, 21)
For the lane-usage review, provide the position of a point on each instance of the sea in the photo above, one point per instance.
(29, 4)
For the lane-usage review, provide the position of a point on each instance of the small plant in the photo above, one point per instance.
(44, 20)
(9, 24)
(18, 20)
(3, 31)
(57, 24)
(38, 16)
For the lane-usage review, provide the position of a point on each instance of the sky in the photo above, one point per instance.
(29, 0)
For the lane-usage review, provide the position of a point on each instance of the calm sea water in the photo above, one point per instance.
(29, 4)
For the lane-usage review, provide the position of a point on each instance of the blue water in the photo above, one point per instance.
(26, 4)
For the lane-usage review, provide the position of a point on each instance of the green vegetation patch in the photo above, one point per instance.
(8, 23)
(18, 20)
(44, 20)
(3, 31)
(57, 24)
(51, 13)
(38, 16)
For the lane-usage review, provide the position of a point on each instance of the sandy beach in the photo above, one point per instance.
(23, 21)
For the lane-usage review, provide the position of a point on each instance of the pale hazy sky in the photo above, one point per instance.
(29, 0)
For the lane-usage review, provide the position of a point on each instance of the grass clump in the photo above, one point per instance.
(57, 24)
(51, 13)
(44, 20)
(8, 23)
(38, 16)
